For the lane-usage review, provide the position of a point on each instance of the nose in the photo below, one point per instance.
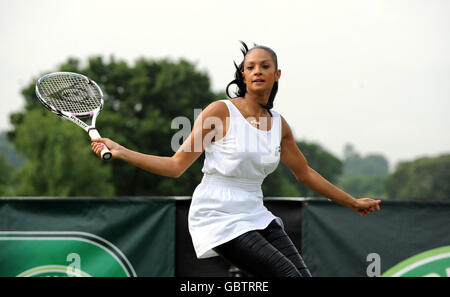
(257, 71)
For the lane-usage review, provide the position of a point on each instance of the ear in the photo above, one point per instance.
(277, 75)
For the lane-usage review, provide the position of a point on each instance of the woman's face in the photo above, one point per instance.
(260, 72)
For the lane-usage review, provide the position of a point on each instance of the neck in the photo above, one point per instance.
(253, 103)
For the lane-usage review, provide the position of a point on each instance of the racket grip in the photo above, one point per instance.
(105, 153)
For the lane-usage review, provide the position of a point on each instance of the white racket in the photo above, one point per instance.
(74, 97)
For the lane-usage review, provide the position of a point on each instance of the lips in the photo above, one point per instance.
(258, 80)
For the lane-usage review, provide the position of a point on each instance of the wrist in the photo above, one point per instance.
(353, 203)
(120, 153)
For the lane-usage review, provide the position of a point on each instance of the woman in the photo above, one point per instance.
(244, 140)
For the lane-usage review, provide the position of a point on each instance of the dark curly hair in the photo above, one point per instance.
(239, 80)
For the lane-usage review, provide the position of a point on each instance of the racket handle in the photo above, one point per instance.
(105, 153)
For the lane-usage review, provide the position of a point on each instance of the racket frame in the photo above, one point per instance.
(75, 117)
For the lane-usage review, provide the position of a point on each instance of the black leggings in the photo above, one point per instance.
(264, 253)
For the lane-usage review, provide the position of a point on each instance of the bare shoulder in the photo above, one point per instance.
(286, 131)
(216, 109)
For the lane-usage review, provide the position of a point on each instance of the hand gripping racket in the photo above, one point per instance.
(73, 96)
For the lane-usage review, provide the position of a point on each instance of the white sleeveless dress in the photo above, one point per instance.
(229, 201)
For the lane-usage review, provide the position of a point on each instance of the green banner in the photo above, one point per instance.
(403, 239)
(87, 237)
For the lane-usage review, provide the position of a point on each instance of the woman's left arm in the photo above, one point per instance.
(293, 158)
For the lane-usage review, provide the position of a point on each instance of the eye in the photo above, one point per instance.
(250, 67)
(266, 66)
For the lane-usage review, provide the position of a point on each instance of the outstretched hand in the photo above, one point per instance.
(366, 205)
(98, 144)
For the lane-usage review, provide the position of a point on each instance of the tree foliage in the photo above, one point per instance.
(57, 165)
(423, 179)
(363, 176)
(324, 162)
(371, 165)
(140, 103)
(6, 170)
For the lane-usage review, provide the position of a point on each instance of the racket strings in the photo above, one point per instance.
(70, 94)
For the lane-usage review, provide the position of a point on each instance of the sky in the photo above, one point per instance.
(375, 73)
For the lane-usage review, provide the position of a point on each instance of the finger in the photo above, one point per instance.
(97, 145)
(96, 151)
(378, 205)
(97, 148)
(103, 140)
(94, 145)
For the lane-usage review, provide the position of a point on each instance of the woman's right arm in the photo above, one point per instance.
(207, 125)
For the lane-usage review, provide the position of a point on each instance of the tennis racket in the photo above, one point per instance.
(74, 97)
